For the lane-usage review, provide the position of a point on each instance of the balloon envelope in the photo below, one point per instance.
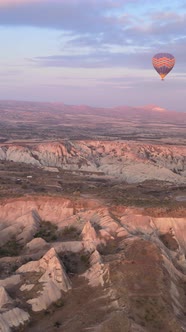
(163, 63)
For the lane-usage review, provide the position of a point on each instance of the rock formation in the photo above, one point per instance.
(98, 272)
(4, 297)
(129, 161)
(53, 280)
(126, 266)
(22, 221)
(12, 319)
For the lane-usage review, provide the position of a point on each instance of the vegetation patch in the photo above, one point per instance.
(11, 248)
(150, 312)
(47, 231)
(59, 303)
(57, 324)
(76, 263)
(69, 233)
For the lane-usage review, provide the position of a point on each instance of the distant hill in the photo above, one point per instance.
(46, 121)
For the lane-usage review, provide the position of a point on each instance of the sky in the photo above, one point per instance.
(93, 52)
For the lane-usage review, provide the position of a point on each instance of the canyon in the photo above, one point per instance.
(92, 218)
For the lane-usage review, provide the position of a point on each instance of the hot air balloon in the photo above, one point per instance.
(163, 63)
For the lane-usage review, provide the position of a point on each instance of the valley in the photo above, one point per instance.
(92, 218)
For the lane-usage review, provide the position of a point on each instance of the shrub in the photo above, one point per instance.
(69, 230)
(59, 303)
(70, 233)
(47, 231)
(11, 248)
(85, 260)
(57, 324)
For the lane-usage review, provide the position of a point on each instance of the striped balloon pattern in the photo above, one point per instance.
(163, 63)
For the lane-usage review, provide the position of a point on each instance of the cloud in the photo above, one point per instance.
(96, 60)
(72, 15)
(7, 3)
(10, 72)
(102, 33)
(93, 22)
(139, 59)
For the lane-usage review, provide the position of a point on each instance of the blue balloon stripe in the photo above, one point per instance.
(163, 70)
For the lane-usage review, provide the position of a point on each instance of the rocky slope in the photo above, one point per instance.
(128, 161)
(84, 266)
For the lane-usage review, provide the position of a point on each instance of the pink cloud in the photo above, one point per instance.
(111, 3)
(18, 2)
